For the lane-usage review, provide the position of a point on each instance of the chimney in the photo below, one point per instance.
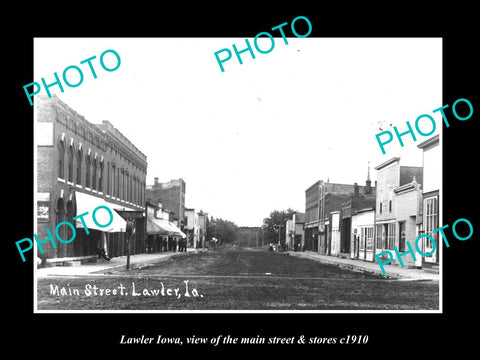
(155, 179)
(355, 188)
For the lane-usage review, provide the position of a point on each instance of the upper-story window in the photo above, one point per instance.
(88, 165)
(100, 175)
(70, 153)
(61, 156)
(79, 164)
(94, 172)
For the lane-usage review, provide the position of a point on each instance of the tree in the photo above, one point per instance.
(274, 226)
(223, 230)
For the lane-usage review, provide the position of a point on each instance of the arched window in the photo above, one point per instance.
(70, 162)
(100, 175)
(122, 190)
(88, 165)
(127, 194)
(79, 164)
(94, 173)
(61, 156)
(134, 190)
(113, 180)
(108, 177)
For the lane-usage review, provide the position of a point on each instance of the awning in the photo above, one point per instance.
(162, 227)
(88, 203)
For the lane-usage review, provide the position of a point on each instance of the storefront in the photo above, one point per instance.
(108, 239)
(362, 247)
(163, 235)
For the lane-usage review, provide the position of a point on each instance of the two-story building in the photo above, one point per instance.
(81, 166)
(431, 217)
(390, 177)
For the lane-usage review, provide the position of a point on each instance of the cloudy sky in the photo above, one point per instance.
(251, 139)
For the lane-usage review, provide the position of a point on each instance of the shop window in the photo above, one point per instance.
(390, 236)
(431, 220)
(379, 237)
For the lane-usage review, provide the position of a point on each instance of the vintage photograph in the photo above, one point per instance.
(269, 174)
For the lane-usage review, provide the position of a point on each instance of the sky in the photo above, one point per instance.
(253, 138)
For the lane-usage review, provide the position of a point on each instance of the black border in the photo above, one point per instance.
(95, 334)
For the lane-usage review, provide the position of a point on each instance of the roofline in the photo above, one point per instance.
(428, 142)
(388, 162)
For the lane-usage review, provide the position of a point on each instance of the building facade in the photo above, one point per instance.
(312, 216)
(172, 196)
(356, 201)
(162, 234)
(391, 176)
(294, 231)
(431, 214)
(408, 203)
(363, 234)
(79, 165)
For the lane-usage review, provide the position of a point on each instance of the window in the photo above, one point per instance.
(122, 189)
(113, 180)
(94, 173)
(61, 157)
(381, 207)
(390, 205)
(108, 178)
(369, 238)
(134, 190)
(431, 220)
(391, 236)
(117, 191)
(362, 238)
(88, 164)
(79, 164)
(379, 242)
(70, 163)
(100, 176)
(127, 186)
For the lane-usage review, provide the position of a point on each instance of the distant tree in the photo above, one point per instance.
(274, 226)
(223, 230)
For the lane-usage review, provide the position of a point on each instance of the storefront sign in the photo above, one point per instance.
(43, 207)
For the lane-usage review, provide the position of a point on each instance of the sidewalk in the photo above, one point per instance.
(393, 271)
(116, 263)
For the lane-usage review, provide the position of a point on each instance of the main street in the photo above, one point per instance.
(235, 280)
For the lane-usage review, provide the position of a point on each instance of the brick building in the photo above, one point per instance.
(172, 197)
(357, 201)
(80, 166)
(312, 216)
(323, 199)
